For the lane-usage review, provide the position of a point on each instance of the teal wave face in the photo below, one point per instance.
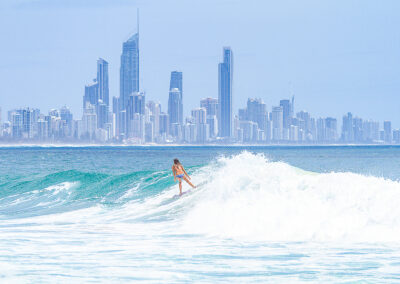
(72, 189)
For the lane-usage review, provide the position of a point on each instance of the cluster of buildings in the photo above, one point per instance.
(131, 119)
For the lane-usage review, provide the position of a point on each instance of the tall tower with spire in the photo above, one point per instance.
(129, 70)
(225, 83)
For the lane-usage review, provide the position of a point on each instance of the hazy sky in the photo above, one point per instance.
(334, 56)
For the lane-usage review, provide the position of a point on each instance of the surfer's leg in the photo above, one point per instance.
(186, 179)
(180, 186)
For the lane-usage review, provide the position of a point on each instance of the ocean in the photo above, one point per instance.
(260, 214)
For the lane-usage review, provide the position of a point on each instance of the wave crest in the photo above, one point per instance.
(248, 196)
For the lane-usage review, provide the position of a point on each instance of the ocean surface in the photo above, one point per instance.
(260, 214)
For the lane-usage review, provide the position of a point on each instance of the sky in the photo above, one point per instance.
(333, 56)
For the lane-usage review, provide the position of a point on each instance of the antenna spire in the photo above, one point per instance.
(138, 21)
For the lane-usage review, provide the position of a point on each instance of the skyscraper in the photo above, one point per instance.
(277, 123)
(199, 115)
(66, 115)
(139, 103)
(115, 110)
(347, 128)
(15, 118)
(97, 94)
(210, 104)
(102, 114)
(91, 91)
(225, 82)
(164, 123)
(129, 71)
(257, 112)
(102, 79)
(135, 111)
(387, 127)
(89, 120)
(286, 107)
(175, 106)
(155, 109)
(321, 130)
(331, 129)
(371, 131)
(176, 83)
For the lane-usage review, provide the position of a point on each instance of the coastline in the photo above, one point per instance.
(61, 145)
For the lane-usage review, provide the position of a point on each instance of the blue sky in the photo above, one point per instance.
(334, 56)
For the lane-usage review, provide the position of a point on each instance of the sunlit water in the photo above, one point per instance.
(111, 214)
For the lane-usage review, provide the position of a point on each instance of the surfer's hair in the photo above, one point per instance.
(176, 162)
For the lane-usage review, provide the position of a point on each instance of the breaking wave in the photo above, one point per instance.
(244, 196)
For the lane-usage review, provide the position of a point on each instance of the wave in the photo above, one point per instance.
(248, 196)
(72, 190)
(245, 197)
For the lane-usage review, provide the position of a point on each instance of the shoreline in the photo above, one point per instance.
(56, 145)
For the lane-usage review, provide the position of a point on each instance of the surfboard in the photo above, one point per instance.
(183, 193)
(190, 190)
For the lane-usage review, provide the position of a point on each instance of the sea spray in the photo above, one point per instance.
(249, 197)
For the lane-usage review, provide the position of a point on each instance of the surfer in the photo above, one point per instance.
(180, 173)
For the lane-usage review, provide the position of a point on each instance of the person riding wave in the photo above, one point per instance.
(179, 173)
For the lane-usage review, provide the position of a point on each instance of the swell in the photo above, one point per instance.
(71, 190)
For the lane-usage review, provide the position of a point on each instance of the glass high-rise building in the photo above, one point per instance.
(331, 129)
(210, 104)
(175, 106)
(129, 71)
(97, 94)
(91, 91)
(285, 104)
(139, 103)
(66, 115)
(347, 128)
(155, 110)
(277, 123)
(164, 123)
(387, 127)
(225, 82)
(176, 83)
(257, 112)
(102, 79)
(199, 115)
(102, 114)
(129, 81)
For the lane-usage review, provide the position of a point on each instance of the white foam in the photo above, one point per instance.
(249, 197)
(62, 186)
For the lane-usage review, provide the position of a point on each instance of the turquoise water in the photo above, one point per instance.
(278, 214)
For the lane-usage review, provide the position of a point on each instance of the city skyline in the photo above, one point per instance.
(132, 120)
(274, 58)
